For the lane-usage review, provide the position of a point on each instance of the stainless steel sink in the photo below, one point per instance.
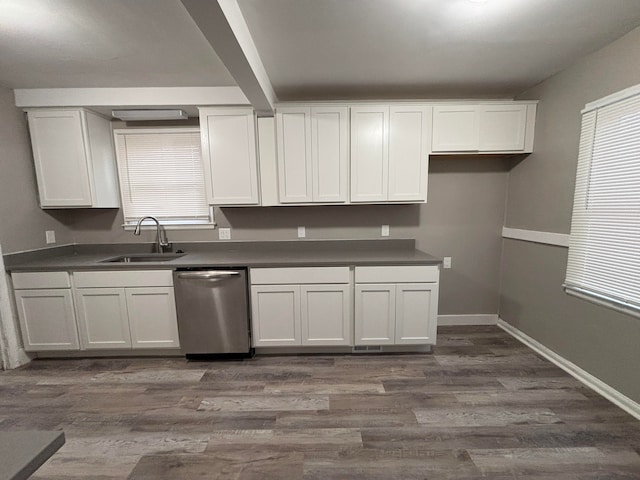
(144, 257)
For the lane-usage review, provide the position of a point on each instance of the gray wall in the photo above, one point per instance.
(540, 197)
(462, 219)
(22, 222)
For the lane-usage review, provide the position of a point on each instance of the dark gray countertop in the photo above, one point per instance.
(227, 254)
(21, 453)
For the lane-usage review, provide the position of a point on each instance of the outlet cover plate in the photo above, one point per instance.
(384, 231)
(302, 232)
(224, 233)
(50, 235)
(446, 262)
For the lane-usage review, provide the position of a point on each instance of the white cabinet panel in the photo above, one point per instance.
(294, 154)
(369, 153)
(375, 311)
(229, 155)
(330, 153)
(102, 318)
(502, 127)
(152, 317)
(409, 136)
(484, 128)
(74, 158)
(326, 318)
(455, 128)
(416, 313)
(47, 319)
(275, 315)
(312, 154)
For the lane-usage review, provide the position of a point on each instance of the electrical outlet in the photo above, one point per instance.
(50, 235)
(384, 231)
(302, 232)
(224, 233)
(446, 262)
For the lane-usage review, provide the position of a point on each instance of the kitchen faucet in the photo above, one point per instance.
(161, 243)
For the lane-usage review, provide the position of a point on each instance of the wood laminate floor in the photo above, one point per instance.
(481, 406)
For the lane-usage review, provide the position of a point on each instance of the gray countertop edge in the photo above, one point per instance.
(22, 453)
(285, 254)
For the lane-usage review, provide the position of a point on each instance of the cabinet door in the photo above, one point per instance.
(326, 318)
(502, 127)
(409, 133)
(375, 311)
(47, 319)
(455, 128)
(229, 156)
(275, 315)
(330, 153)
(60, 157)
(102, 318)
(294, 154)
(369, 153)
(416, 313)
(152, 317)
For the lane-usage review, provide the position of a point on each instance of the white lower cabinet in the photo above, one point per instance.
(126, 309)
(301, 306)
(326, 317)
(45, 311)
(152, 317)
(276, 315)
(402, 311)
(102, 318)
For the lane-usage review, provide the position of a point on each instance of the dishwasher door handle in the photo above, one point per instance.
(208, 275)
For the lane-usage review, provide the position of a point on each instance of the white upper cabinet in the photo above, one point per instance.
(409, 145)
(229, 155)
(455, 128)
(502, 127)
(484, 128)
(293, 125)
(312, 144)
(369, 153)
(390, 153)
(74, 158)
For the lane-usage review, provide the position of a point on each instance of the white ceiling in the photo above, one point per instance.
(104, 43)
(426, 48)
(311, 49)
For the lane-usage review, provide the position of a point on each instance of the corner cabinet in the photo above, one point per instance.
(390, 153)
(301, 306)
(396, 305)
(126, 309)
(228, 137)
(45, 311)
(74, 158)
(484, 128)
(312, 153)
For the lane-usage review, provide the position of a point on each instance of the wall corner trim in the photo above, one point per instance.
(473, 319)
(594, 383)
(547, 238)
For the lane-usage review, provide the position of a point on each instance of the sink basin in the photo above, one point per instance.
(145, 257)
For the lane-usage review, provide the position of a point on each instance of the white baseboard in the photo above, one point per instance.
(594, 383)
(475, 319)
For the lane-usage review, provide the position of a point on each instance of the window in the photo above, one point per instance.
(161, 175)
(604, 247)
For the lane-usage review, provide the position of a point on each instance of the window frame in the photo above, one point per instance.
(167, 224)
(578, 259)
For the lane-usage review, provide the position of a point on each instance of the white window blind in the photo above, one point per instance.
(604, 246)
(161, 175)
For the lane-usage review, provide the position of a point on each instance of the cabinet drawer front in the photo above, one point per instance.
(299, 275)
(399, 274)
(132, 278)
(41, 280)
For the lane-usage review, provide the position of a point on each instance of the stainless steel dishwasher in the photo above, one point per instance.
(213, 312)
